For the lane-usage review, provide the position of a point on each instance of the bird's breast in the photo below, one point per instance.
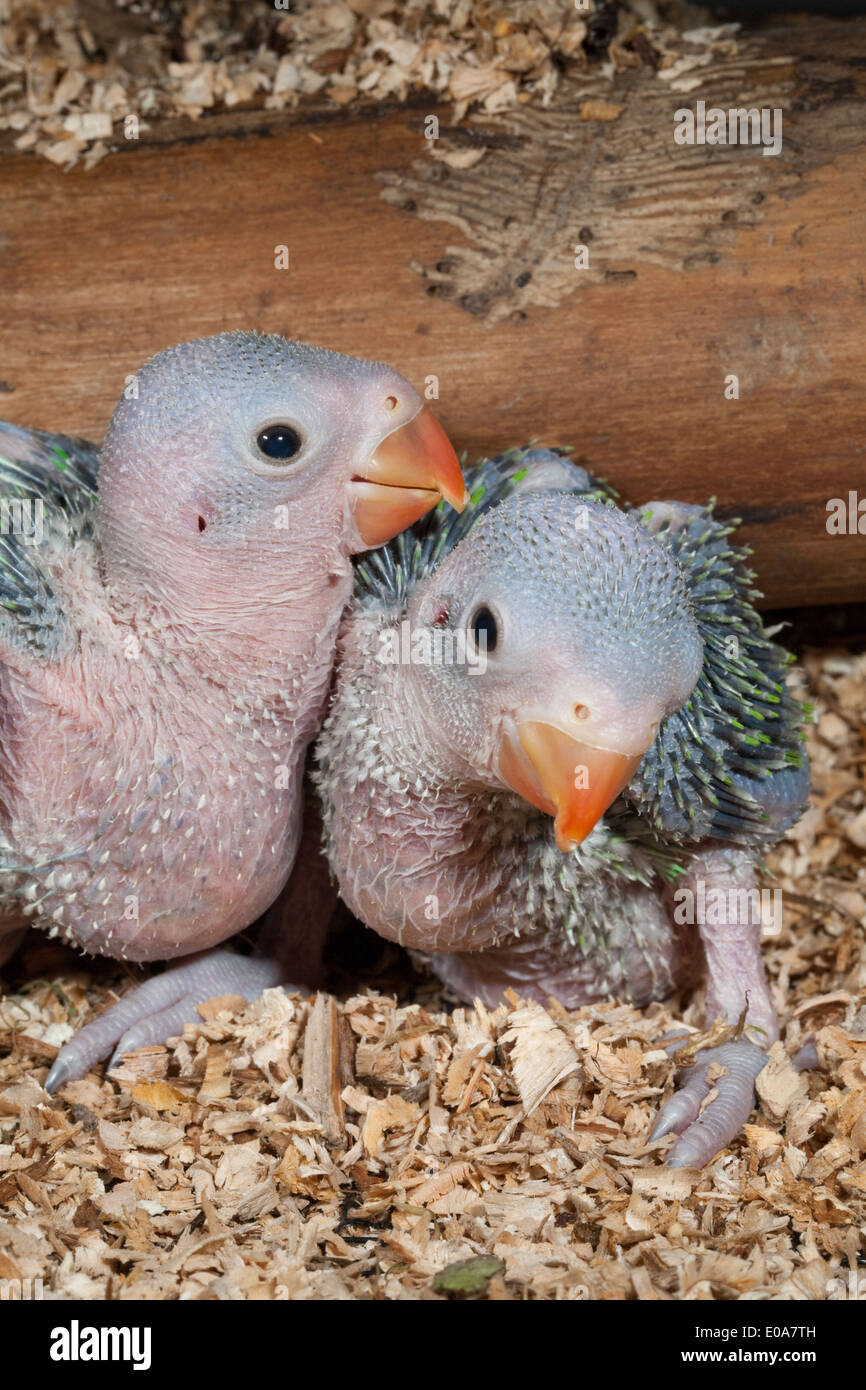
(159, 832)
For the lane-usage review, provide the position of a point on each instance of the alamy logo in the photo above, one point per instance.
(18, 1290)
(739, 126)
(77, 1343)
(22, 516)
(846, 518)
(432, 646)
(719, 907)
(852, 1289)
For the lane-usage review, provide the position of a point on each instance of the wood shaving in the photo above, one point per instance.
(79, 79)
(356, 1148)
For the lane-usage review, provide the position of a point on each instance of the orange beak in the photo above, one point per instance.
(562, 775)
(409, 472)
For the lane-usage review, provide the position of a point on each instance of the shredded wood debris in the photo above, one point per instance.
(77, 79)
(357, 1147)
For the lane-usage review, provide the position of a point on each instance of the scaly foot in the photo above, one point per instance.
(703, 1134)
(159, 1008)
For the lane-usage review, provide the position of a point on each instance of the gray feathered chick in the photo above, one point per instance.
(552, 721)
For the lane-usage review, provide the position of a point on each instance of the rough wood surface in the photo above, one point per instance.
(704, 262)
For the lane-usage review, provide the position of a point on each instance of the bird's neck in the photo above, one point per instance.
(424, 853)
(248, 595)
(265, 638)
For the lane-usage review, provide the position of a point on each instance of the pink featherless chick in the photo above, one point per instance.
(170, 607)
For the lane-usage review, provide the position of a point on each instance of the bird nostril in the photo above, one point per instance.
(391, 402)
(581, 712)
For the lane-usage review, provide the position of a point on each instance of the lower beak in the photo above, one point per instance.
(560, 774)
(408, 473)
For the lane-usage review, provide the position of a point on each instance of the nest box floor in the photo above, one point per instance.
(360, 1144)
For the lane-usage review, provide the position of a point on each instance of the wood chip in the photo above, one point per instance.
(599, 110)
(542, 1057)
(205, 1169)
(321, 1078)
(779, 1085)
(75, 73)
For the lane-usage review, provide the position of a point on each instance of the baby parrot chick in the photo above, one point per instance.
(552, 721)
(170, 607)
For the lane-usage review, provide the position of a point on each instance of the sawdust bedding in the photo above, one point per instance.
(369, 1145)
(73, 75)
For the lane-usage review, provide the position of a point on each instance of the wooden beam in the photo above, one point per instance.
(704, 262)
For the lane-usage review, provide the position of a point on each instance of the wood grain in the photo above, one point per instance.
(322, 1079)
(175, 237)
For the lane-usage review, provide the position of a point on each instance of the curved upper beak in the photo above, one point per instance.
(413, 467)
(562, 774)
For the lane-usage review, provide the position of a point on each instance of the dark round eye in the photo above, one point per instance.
(279, 442)
(484, 629)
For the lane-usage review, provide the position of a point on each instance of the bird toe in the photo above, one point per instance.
(705, 1129)
(159, 1009)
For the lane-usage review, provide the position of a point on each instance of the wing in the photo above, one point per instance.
(387, 576)
(730, 765)
(48, 485)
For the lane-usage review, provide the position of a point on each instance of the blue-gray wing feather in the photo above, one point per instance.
(48, 487)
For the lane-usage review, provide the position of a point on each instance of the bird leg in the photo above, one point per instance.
(718, 895)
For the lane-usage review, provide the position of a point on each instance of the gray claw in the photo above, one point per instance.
(58, 1074)
(677, 1112)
